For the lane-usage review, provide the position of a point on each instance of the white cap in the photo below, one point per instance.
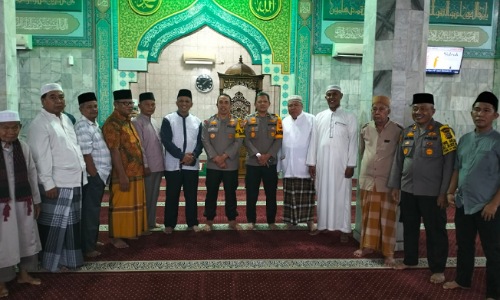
(49, 87)
(295, 98)
(9, 116)
(333, 87)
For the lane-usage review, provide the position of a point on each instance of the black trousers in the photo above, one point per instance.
(467, 228)
(91, 208)
(230, 181)
(188, 181)
(413, 209)
(269, 177)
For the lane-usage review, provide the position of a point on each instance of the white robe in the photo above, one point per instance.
(19, 234)
(296, 138)
(333, 148)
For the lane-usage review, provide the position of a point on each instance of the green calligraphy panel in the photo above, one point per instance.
(472, 12)
(352, 10)
(53, 5)
(45, 23)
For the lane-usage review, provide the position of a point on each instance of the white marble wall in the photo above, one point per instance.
(344, 72)
(8, 71)
(44, 65)
(170, 74)
(453, 94)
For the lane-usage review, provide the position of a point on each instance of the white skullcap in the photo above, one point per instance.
(295, 98)
(49, 87)
(9, 116)
(333, 87)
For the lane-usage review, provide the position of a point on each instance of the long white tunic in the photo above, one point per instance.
(296, 138)
(333, 148)
(58, 157)
(19, 234)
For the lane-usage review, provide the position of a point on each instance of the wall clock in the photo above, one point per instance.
(204, 83)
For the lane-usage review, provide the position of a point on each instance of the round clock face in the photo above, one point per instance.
(204, 83)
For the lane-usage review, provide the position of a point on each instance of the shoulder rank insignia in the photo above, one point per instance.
(448, 141)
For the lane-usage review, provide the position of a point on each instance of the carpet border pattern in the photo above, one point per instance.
(249, 265)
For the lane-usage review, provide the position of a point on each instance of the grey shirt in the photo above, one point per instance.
(419, 166)
(478, 164)
(221, 136)
(262, 135)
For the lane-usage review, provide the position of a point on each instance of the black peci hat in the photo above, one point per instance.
(146, 96)
(423, 98)
(86, 97)
(487, 97)
(185, 92)
(122, 94)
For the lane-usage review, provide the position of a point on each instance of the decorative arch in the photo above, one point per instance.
(203, 13)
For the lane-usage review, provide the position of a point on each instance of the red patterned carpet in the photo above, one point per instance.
(242, 285)
(259, 264)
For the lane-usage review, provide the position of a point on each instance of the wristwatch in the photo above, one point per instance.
(258, 155)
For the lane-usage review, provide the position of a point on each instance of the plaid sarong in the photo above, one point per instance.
(378, 222)
(298, 202)
(59, 227)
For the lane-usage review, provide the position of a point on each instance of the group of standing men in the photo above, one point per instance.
(423, 170)
(418, 168)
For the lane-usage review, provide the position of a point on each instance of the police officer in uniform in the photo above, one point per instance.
(222, 136)
(263, 136)
(422, 170)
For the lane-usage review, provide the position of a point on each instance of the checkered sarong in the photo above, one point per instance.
(59, 227)
(299, 200)
(378, 222)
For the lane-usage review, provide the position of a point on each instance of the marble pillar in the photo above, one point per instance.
(9, 98)
(395, 42)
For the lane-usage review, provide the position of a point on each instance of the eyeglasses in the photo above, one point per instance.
(126, 103)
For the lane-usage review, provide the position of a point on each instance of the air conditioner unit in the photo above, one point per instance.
(347, 50)
(24, 42)
(198, 58)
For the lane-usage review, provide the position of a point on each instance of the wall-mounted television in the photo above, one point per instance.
(444, 60)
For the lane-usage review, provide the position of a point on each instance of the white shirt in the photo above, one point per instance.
(55, 150)
(296, 138)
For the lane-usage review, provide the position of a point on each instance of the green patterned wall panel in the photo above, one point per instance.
(276, 31)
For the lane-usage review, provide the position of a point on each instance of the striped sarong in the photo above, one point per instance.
(59, 228)
(127, 210)
(299, 200)
(378, 222)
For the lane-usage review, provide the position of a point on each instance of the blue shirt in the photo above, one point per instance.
(478, 165)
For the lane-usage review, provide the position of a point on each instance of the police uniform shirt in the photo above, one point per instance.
(423, 164)
(221, 136)
(262, 135)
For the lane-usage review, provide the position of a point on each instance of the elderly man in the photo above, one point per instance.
(60, 165)
(127, 205)
(298, 186)
(222, 137)
(263, 137)
(181, 136)
(475, 192)
(332, 158)
(98, 161)
(149, 133)
(19, 204)
(422, 170)
(378, 144)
